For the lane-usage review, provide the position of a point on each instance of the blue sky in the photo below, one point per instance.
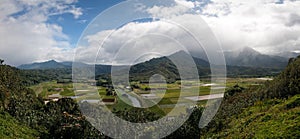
(74, 27)
(37, 31)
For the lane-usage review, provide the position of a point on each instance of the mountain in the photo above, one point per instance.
(166, 67)
(245, 57)
(52, 64)
(287, 54)
(248, 57)
(70, 64)
(143, 71)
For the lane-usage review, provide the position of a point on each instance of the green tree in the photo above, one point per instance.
(1, 62)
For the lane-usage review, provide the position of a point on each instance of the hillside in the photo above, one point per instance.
(24, 115)
(275, 118)
(271, 111)
(10, 128)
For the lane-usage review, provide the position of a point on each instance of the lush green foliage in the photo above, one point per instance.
(54, 120)
(239, 116)
(287, 83)
(10, 128)
(275, 118)
(32, 77)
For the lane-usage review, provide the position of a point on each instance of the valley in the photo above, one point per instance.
(48, 103)
(140, 93)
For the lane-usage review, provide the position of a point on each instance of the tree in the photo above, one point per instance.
(1, 62)
(233, 90)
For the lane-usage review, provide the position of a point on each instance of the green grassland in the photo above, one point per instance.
(170, 97)
(265, 118)
(48, 88)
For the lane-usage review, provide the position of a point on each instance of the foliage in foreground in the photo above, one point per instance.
(11, 128)
(260, 112)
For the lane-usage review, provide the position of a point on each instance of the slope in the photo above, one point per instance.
(270, 111)
(275, 118)
(10, 128)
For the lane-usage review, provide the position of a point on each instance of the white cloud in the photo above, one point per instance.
(166, 12)
(263, 25)
(128, 43)
(188, 4)
(27, 37)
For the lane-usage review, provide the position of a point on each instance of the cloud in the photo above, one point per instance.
(294, 19)
(185, 3)
(268, 26)
(26, 35)
(263, 25)
(163, 11)
(130, 42)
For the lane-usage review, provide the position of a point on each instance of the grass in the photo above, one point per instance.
(120, 105)
(10, 128)
(48, 88)
(165, 101)
(265, 118)
(170, 97)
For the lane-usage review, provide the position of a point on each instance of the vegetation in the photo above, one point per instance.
(259, 112)
(10, 128)
(251, 109)
(36, 76)
(274, 118)
(54, 120)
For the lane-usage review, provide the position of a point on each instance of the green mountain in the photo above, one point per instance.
(52, 64)
(166, 67)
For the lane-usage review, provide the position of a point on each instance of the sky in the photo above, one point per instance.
(41, 30)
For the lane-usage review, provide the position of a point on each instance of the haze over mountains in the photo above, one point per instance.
(246, 57)
(44, 65)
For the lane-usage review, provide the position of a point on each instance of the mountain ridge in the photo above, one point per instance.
(51, 64)
(165, 65)
(245, 57)
(249, 57)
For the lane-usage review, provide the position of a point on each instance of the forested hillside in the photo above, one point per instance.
(271, 111)
(26, 116)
